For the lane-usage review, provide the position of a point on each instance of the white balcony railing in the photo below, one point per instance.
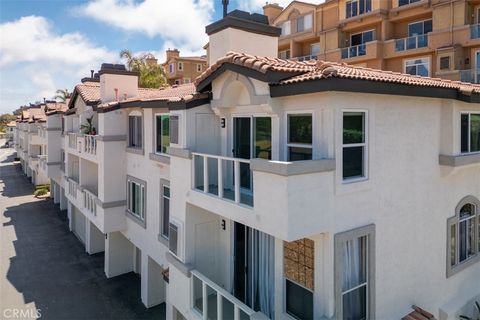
(470, 75)
(90, 145)
(72, 188)
(414, 42)
(43, 162)
(224, 177)
(90, 202)
(72, 140)
(213, 302)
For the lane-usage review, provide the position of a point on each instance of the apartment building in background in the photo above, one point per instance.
(10, 132)
(435, 38)
(277, 189)
(183, 70)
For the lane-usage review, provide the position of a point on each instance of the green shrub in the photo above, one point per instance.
(40, 192)
(42, 186)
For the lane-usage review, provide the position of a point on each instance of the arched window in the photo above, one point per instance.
(463, 236)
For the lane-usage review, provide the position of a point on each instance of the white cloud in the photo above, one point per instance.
(35, 61)
(257, 5)
(180, 22)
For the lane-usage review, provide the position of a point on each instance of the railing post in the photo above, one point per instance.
(237, 180)
(236, 313)
(205, 174)
(220, 177)
(204, 301)
(219, 307)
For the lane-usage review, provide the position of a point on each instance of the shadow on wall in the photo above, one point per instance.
(52, 269)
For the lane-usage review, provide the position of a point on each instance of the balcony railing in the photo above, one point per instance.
(475, 31)
(354, 51)
(90, 202)
(90, 146)
(72, 188)
(224, 177)
(415, 42)
(42, 160)
(305, 58)
(214, 302)
(72, 140)
(471, 75)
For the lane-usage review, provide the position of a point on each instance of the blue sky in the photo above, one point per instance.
(51, 44)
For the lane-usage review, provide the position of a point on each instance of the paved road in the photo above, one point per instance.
(44, 267)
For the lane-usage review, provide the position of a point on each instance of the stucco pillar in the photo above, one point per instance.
(63, 199)
(119, 255)
(152, 284)
(95, 239)
(69, 215)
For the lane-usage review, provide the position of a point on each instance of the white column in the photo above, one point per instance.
(70, 215)
(63, 199)
(119, 253)
(153, 286)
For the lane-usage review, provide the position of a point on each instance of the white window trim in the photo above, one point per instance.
(181, 130)
(366, 164)
(143, 187)
(199, 67)
(139, 114)
(469, 132)
(419, 21)
(287, 144)
(417, 58)
(155, 133)
(290, 27)
(163, 183)
(171, 67)
(180, 66)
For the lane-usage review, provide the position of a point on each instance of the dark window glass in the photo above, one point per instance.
(368, 5)
(162, 133)
(263, 137)
(353, 159)
(356, 39)
(173, 238)
(353, 127)
(300, 129)
(444, 63)
(355, 304)
(166, 211)
(349, 9)
(427, 26)
(299, 301)
(464, 133)
(474, 132)
(174, 128)
(300, 24)
(135, 131)
(299, 154)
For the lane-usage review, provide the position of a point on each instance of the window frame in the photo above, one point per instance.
(449, 67)
(298, 145)
(156, 115)
(283, 27)
(362, 33)
(164, 184)
(199, 67)
(171, 67)
(365, 144)
(469, 142)
(339, 241)
(418, 58)
(347, 16)
(135, 114)
(180, 129)
(180, 66)
(302, 18)
(455, 222)
(141, 218)
(287, 54)
(423, 27)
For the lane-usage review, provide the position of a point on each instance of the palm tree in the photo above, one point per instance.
(151, 75)
(88, 128)
(62, 95)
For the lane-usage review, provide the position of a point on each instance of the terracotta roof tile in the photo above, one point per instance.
(418, 314)
(89, 91)
(315, 70)
(11, 124)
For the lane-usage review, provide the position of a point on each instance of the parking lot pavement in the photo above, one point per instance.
(44, 269)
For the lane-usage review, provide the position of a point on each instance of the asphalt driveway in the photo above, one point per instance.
(44, 269)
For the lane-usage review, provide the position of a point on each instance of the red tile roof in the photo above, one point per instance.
(315, 70)
(418, 314)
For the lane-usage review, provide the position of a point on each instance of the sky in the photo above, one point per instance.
(47, 45)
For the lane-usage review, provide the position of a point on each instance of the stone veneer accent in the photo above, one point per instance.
(298, 262)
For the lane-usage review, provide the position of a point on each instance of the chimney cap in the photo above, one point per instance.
(112, 68)
(238, 19)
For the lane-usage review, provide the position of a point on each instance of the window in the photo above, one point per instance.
(354, 145)
(354, 273)
(315, 49)
(199, 67)
(180, 66)
(177, 82)
(304, 23)
(357, 7)
(299, 137)
(362, 37)
(286, 28)
(463, 239)
(419, 67)
(174, 129)
(445, 63)
(298, 270)
(165, 209)
(405, 2)
(135, 132)
(162, 136)
(284, 54)
(136, 198)
(470, 132)
(419, 28)
(171, 67)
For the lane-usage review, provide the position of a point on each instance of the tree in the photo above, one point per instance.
(151, 75)
(62, 95)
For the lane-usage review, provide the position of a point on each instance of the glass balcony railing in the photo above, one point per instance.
(472, 76)
(414, 42)
(354, 51)
(305, 58)
(475, 31)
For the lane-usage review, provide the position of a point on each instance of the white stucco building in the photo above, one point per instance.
(277, 189)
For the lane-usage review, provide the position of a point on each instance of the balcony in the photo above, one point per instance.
(304, 58)
(90, 202)
(472, 76)
(84, 146)
(90, 145)
(475, 31)
(210, 301)
(410, 43)
(354, 51)
(72, 188)
(217, 176)
(42, 161)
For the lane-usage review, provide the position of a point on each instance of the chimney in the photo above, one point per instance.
(172, 53)
(114, 78)
(91, 73)
(272, 11)
(242, 32)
